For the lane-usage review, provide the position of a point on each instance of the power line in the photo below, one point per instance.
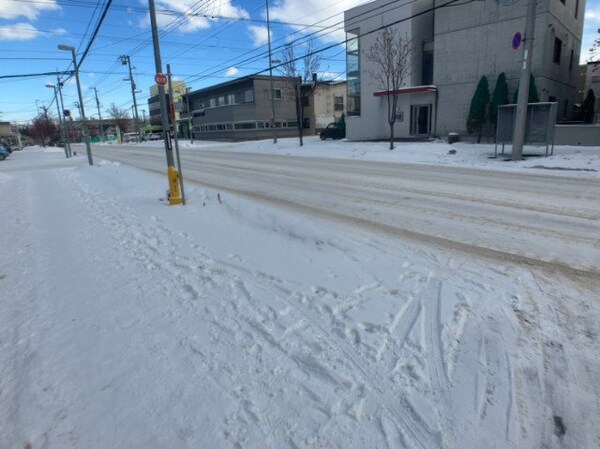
(82, 58)
(34, 75)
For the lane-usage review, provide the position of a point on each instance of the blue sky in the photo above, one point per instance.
(201, 51)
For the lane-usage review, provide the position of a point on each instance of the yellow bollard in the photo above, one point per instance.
(174, 192)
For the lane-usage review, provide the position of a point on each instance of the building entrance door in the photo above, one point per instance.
(420, 120)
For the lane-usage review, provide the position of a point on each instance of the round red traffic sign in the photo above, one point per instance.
(161, 79)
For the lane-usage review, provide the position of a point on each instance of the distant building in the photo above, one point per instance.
(453, 48)
(240, 110)
(324, 104)
(179, 90)
(5, 129)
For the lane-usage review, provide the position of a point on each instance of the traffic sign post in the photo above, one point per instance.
(517, 39)
(161, 79)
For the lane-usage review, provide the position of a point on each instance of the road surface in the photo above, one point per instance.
(529, 218)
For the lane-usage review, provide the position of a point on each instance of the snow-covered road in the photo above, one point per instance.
(504, 215)
(231, 323)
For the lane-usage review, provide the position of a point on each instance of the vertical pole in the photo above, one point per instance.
(60, 122)
(172, 108)
(161, 89)
(99, 114)
(84, 127)
(272, 93)
(135, 108)
(190, 127)
(174, 189)
(62, 107)
(521, 113)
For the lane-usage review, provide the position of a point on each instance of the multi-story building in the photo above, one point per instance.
(179, 90)
(323, 103)
(453, 47)
(242, 109)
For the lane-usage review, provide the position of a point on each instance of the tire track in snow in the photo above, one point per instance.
(434, 351)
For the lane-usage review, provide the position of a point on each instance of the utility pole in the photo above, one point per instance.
(174, 192)
(60, 122)
(172, 109)
(271, 75)
(84, 127)
(99, 113)
(125, 60)
(62, 107)
(521, 113)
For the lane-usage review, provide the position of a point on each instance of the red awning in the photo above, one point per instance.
(407, 90)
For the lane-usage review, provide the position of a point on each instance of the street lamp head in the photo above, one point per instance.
(66, 48)
(50, 85)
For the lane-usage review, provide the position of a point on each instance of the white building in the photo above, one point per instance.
(454, 46)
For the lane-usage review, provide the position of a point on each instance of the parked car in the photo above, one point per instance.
(333, 131)
(4, 153)
(9, 147)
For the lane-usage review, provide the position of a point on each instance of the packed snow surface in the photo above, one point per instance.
(349, 310)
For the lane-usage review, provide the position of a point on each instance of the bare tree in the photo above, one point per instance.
(42, 129)
(391, 57)
(300, 77)
(120, 116)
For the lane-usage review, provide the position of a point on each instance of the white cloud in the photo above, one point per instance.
(11, 9)
(232, 71)
(18, 32)
(174, 8)
(592, 15)
(329, 76)
(590, 34)
(58, 32)
(327, 13)
(259, 35)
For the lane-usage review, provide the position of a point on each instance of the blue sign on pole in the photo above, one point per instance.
(517, 39)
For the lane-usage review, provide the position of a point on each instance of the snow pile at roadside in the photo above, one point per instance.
(224, 323)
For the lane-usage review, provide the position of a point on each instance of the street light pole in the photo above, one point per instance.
(271, 75)
(82, 109)
(521, 113)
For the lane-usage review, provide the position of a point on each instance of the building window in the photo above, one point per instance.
(427, 68)
(249, 96)
(338, 103)
(353, 71)
(576, 8)
(213, 102)
(245, 126)
(557, 50)
(277, 94)
(305, 102)
(231, 99)
(221, 101)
